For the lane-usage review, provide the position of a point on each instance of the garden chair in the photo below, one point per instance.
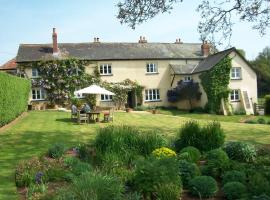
(82, 117)
(108, 116)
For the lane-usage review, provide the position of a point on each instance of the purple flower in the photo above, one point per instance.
(38, 177)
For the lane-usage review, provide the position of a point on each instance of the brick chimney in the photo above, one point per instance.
(178, 41)
(96, 40)
(142, 40)
(205, 48)
(55, 44)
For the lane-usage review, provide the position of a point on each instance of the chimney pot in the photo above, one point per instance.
(97, 39)
(55, 44)
(205, 47)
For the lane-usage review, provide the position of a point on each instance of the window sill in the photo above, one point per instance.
(150, 101)
(106, 101)
(235, 101)
(106, 74)
(236, 79)
(151, 73)
(38, 99)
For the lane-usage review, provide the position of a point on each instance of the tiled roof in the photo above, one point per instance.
(111, 51)
(10, 65)
(183, 69)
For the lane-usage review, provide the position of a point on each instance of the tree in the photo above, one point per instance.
(262, 67)
(217, 16)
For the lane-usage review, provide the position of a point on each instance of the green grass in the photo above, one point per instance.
(33, 134)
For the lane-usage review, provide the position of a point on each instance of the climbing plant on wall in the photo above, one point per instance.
(215, 83)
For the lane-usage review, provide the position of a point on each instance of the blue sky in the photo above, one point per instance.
(31, 21)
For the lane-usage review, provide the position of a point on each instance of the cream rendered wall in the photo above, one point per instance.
(247, 82)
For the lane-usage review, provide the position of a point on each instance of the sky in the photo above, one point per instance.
(31, 21)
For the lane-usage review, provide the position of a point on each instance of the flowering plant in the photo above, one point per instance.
(163, 152)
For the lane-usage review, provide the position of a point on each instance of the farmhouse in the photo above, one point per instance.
(158, 67)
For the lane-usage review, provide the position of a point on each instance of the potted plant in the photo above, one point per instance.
(154, 110)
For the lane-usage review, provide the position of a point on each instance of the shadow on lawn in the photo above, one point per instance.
(65, 120)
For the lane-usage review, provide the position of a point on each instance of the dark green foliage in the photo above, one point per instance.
(258, 184)
(56, 150)
(215, 83)
(203, 186)
(169, 192)
(204, 138)
(187, 171)
(234, 176)
(193, 152)
(14, 94)
(267, 104)
(261, 121)
(261, 197)
(151, 173)
(56, 174)
(234, 190)
(250, 121)
(241, 151)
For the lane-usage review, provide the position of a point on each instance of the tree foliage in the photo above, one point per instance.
(217, 16)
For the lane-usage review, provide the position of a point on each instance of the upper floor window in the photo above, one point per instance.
(187, 78)
(38, 94)
(35, 72)
(235, 95)
(236, 73)
(105, 97)
(152, 95)
(151, 68)
(105, 69)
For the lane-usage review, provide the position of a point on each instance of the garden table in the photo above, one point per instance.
(93, 115)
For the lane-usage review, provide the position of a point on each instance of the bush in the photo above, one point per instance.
(240, 112)
(234, 176)
(168, 192)
(163, 152)
(258, 184)
(267, 105)
(261, 197)
(241, 151)
(205, 138)
(203, 186)
(250, 121)
(56, 150)
(150, 173)
(14, 94)
(261, 121)
(234, 190)
(187, 171)
(141, 108)
(193, 152)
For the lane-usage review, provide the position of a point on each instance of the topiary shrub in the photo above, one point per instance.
(261, 121)
(267, 105)
(234, 176)
(203, 186)
(206, 138)
(163, 152)
(258, 184)
(234, 190)
(169, 192)
(193, 152)
(241, 151)
(187, 171)
(56, 150)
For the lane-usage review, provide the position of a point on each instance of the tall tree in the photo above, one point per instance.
(217, 16)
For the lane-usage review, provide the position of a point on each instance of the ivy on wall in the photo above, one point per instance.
(215, 83)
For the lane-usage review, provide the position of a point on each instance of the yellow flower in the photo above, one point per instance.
(163, 152)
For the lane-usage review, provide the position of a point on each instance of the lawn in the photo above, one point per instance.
(34, 133)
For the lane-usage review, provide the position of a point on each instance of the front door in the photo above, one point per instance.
(131, 99)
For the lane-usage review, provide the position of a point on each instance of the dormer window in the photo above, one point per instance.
(151, 68)
(236, 73)
(105, 69)
(35, 73)
(187, 78)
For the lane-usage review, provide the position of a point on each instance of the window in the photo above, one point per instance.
(152, 95)
(105, 69)
(235, 95)
(34, 72)
(236, 73)
(38, 94)
(151, 68)
(105, 97)
(187, 78)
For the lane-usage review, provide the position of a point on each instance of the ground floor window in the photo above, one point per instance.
(105, 97)
(38, 94)
(235, 95)
(152, 95)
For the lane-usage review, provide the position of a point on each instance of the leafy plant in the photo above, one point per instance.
(187, 171)
(261, 121)
(35, 189)
(234, 190)
(261, 197)
(56, 150)
(234, 176)
(193, 152)
(241, 151)
(169, 192)
(203, 186)
(258, 184)
(267, 105)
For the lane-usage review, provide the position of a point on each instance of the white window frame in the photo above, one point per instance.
(35, 92)
(105, 69)
(152, 95)
(151, 68)
(235, 95)
(236, 73)
(105, 97)
(35, 71)
(187, 78)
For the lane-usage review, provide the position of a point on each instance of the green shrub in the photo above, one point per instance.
(203, 186)
(261, 197)
(261, 121)
(240, 112)
(250, 121)
(36, 189)
(150, 173)
(93, 186)
(194, 153)
(206, 138)
(240, 151)
(56, 174)
(258, 184)
(268, 122)
(267, 105)
(14, 94)
(141, 108)
(234, 190)
(234, 176)
(168, 192)
(187, 171)
(56, 150)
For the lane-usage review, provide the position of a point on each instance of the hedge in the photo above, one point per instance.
(14, 94)
(267, 104)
